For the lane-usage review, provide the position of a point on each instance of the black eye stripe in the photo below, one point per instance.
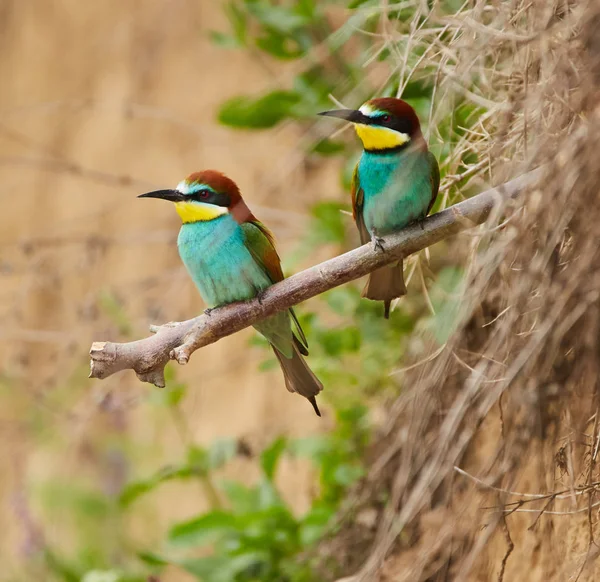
(400, 124)
(210, 197)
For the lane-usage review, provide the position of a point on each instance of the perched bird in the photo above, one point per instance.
(395, 182)
(231, 256)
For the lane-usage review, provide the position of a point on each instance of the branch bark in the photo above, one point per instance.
(178, 340)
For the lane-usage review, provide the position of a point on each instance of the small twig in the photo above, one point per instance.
(510, 547)
(563, 494)
(148, 357)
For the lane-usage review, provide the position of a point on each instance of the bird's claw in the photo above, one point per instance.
(421, 222)
(260, 296)
(208, 311)
(378, 242)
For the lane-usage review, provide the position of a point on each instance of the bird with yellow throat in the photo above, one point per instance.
(231, 256)
(394, 184)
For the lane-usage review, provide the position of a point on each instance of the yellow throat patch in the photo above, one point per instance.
(198, 211)
(380, 138)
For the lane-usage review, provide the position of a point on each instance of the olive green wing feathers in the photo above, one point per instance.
(261, 244)
(358, 198)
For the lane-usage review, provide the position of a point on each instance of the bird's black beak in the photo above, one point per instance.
(171, 195)
(351, 115)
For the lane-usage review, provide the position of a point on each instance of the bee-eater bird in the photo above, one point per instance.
(231, 256)
(394, 184)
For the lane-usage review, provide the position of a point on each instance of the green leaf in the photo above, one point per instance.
(198, 458)
(277, 18)
(223, 568)
(153, 559)
(210, 569)
(221, 452)
(328, 225)
(337, 342)
(312, 447)
(225, 41)
(306, 8)
(417, 89)
(238, 21)
(203, 529)
(264, 112)
(134, 490)
(174, 394)
(279, 46)
(243, 499)
(268, 496)
(315, 523)
(343, 300)
(328, 147)
(271, 455)
(347, 474)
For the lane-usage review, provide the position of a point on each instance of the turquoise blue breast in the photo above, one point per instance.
(397, 189)
(218, 261)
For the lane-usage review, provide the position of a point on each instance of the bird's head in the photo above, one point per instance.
(204, 196)
(383, 124)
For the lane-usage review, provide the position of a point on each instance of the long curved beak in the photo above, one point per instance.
(171, 195)
(351, 115)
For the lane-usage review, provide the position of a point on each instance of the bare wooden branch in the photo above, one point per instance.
(148, 357)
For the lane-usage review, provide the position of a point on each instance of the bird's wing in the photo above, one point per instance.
(261, 244)
(358, 197)
(435, 179)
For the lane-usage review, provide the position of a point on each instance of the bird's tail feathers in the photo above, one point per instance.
(299, 377)
(385, 284)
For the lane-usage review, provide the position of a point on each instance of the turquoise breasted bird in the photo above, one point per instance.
(231, 256)
(395, 182)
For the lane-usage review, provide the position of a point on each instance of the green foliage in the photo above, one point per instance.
(283, 31)
(255, 535)
(261, 113)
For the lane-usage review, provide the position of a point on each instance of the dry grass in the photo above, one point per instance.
(487, 468)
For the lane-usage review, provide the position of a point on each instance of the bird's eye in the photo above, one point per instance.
(385, 118)
(203, 194)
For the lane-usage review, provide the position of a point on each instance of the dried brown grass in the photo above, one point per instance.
(487, 468)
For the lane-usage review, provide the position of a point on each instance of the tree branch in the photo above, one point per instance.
(148, 357)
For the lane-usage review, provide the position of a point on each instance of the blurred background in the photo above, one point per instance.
(224, 475)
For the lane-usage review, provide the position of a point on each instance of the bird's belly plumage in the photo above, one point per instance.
(397, 189)
(216, 257)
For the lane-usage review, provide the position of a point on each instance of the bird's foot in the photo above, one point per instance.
(378, 243)
(260, 296)
(421, 222)
(208, 311)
